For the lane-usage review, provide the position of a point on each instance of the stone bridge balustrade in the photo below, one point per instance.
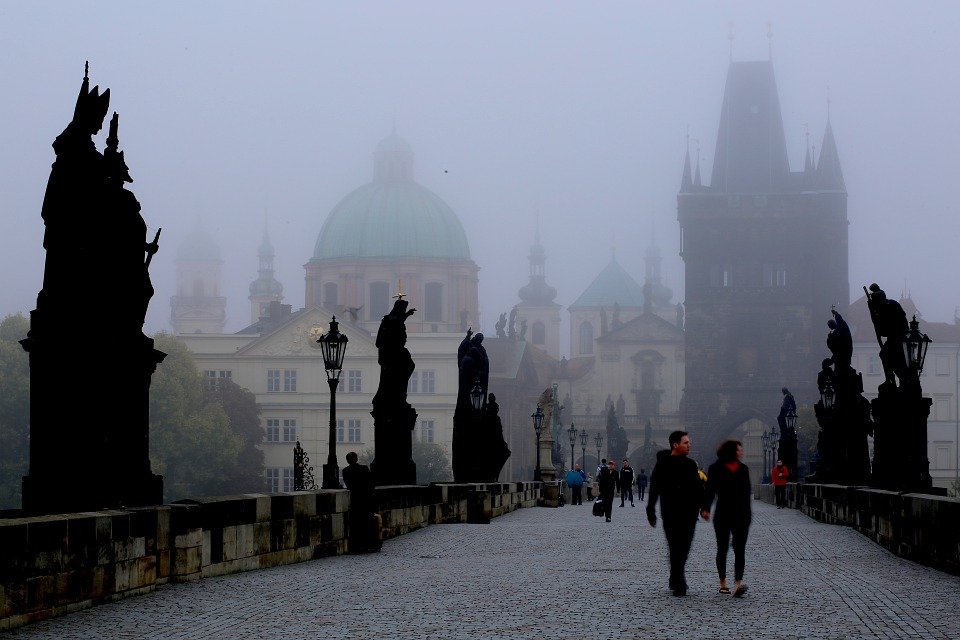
(57, 564)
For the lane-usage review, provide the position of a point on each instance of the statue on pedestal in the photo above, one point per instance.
(479, 450)
(393, 417)
(93, 229)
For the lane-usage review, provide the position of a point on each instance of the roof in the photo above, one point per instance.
(612, 285)
(648, 328)
(861, 326)
(392, 216)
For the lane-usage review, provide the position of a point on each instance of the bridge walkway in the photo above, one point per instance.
(552, 573)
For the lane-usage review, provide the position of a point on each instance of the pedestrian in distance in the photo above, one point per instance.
(607, 484)
(675, 483)
(575, 479)
(363, 530)
(641, 484)
(779, 476)
(728, 482)
(626, 483)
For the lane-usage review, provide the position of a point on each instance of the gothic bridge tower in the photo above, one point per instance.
(765, 257)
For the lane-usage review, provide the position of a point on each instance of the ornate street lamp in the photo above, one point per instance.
(791, 419)
(476, 396)
(599, 441)
(538, 428)
(583, 445)
(765, 441)
(573, 440)
(333, 345)
(915, 347)
(827, 395)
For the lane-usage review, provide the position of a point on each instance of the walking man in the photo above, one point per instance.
(675, 483)
(607, 484)
(575, 479)
(626, 483)
(641, 484)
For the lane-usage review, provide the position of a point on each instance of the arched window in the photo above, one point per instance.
(379, 297)
(586, 338)
(197, 288)
(539, 333)
(330, 295)
(433, 299)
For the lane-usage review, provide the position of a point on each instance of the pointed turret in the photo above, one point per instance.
(751, 151)
(686, 183)
(537, 308)
(829, 175)
(696, 177)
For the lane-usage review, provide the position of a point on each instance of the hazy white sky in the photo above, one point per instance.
(236, 112)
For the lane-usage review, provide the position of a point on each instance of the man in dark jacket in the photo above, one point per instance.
(641, 484)
(675, 482)
(607, 484)
(626, 482)
(363, 532)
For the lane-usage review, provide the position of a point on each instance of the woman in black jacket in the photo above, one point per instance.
(728, 480)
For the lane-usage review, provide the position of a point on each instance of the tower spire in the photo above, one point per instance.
(696, 177)
(686, 183)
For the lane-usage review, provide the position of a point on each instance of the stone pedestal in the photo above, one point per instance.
(900, 460)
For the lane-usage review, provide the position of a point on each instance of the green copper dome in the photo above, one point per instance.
(393, 216)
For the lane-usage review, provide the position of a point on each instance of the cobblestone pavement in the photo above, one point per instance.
(553, 573)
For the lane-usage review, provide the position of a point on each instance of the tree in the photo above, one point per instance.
(243, 414)
(432, 462)
(14, 410)
(191, 441)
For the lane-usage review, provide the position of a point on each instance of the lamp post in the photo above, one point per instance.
(765, 443)
(333, 345)
(538, 428)
(583, 445)
(573, 440)
(915, 347)
(599, 441)
(827, 395)
(476, 397)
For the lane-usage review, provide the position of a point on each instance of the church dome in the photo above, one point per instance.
(392, 216)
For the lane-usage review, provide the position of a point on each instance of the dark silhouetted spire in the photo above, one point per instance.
(829, 175)
(751, 152)
(696, 177)
(686, 184)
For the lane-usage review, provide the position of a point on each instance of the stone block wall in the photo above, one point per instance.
(921, 527)
(52, 565)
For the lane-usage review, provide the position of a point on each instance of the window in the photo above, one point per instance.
(539, 333)
(586, 338)
(941, 409)
(288, 479)
(942, 456)
(379, 296)
(214, 377)
(289, 430)
(272, 430)
(726, 276)
(412, 386)
(349, 430)
(428, 381)
(426, 431)
(354, 381)
(433, 294)
(330, 295)
(943, 366)
(873, 366)
(353, 430)
(273, 480)
(774, 275)
(273, 380)
(289, 379)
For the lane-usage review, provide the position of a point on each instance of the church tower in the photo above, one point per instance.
(537, 306)
(265, 289)
(198, 306)
(765, 256)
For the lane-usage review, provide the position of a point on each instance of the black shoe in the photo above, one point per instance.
(621, 506)
(632, 505)
(680, 592)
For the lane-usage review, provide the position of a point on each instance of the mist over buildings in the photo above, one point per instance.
(570, 117)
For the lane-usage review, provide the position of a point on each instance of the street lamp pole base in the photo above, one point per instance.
(331, 477)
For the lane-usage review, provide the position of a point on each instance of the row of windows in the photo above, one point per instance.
(286, 380)
(349, 430)
(379, 300)
(771, 275)
(213, 377)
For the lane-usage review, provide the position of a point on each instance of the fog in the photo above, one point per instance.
(241, 114)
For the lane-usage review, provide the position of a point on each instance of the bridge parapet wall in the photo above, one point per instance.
(917, 526)
(57, 564)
